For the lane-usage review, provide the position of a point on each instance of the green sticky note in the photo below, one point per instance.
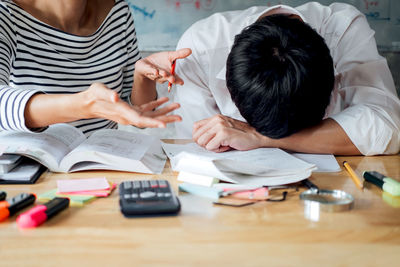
(47, 196)
(75, 200)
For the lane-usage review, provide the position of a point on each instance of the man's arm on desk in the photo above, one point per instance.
(221, 133)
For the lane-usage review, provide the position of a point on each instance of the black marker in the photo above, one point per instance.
(387, 184)
(9, 208)
(3, 195)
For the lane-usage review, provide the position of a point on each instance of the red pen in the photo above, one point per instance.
(17, 203)
(173, 73)
(39, 214)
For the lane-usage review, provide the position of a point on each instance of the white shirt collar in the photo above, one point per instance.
(222, 73)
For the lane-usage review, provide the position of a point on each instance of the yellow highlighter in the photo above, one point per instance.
(356, 179)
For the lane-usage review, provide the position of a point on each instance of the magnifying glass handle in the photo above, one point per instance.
(309, 184)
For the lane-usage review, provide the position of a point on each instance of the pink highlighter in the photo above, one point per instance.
(39, 214)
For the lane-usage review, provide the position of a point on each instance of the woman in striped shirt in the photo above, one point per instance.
(74, 61)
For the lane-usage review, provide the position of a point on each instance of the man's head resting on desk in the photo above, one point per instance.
(280, 75)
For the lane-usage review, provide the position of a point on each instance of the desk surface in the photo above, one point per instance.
(262, 234)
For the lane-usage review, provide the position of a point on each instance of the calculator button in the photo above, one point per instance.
(127, 196)
(160, 194)
(127, 185)
(162, 183)
(167, 194)
(147, 194)
(153, 184)
(145, 184)
(136, 184)
(134, 195)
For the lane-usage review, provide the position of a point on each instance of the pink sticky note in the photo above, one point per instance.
(66, 186)
(95, 193)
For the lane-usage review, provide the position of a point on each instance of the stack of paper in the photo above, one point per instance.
(258, 167)
(80, 191)
(75, 200)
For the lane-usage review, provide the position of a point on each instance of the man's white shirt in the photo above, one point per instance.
(364, 100)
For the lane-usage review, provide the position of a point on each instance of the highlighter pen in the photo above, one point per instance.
(17, 203)
(39, 214)
(388, 185)
(3, 195)
(356, 179)
(173, 73)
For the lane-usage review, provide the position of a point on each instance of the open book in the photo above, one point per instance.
(258, 167)
(63, 148)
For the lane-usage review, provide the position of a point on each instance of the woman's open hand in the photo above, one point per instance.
(101, 102)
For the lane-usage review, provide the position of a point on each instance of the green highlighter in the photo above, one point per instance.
(388, 185)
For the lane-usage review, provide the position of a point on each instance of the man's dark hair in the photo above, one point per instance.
(280, 75)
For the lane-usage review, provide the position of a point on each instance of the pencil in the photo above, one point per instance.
(356, 179)
(173, 73)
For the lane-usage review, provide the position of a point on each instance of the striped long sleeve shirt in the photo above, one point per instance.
(37, 58)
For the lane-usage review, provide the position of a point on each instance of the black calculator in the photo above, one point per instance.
(147, 197)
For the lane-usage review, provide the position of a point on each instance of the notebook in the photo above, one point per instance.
(26, 172)
(8, 162)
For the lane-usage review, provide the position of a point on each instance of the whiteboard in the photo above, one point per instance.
(160, 23)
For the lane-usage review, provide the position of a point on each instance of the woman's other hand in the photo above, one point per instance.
(101, 102)
(157, 67)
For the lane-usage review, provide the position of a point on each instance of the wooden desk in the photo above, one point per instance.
(264, 234)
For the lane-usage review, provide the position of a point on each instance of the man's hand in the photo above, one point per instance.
(101, 102)
(220, 133)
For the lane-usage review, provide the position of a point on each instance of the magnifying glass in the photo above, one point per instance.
(315, 199)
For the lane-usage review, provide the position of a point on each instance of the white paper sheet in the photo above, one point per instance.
(264, 166)
(324, 163)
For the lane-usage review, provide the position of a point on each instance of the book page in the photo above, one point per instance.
(117, 143)
(114, 149)
(48, 147)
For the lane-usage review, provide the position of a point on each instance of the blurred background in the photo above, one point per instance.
(160, 23)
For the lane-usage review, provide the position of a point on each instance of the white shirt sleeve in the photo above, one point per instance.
(366, 92)
(197, 100)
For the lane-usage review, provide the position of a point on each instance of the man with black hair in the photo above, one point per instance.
(306, 79)
(280, 75)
